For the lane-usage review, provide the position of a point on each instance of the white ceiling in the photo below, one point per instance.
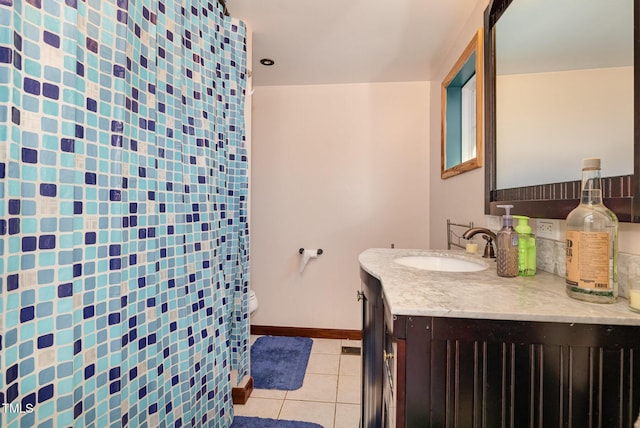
(338, 41)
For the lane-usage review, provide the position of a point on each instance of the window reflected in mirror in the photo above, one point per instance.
(461, 139)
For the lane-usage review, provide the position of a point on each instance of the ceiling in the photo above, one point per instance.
(334, 41)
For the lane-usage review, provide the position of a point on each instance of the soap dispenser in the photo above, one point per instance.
(526, 247)
(507, 243)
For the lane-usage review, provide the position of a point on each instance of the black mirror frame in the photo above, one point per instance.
(555, 200)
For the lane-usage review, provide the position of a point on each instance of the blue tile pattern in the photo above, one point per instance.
(123, 213)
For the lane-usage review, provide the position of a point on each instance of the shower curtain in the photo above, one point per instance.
(123, 222)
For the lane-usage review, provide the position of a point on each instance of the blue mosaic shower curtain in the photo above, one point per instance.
(123, 223)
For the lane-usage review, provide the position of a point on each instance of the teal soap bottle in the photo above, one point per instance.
(526, 247)
(507, 243)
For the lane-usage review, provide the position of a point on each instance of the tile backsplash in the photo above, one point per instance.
(551, 258)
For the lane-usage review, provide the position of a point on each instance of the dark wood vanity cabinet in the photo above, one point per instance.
(454, 372)
(372, 348)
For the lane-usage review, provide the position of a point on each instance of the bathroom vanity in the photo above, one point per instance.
(471, 349)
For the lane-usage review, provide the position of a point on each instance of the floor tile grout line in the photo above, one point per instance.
(281, 406)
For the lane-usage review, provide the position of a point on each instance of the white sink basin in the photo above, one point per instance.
(441, 263)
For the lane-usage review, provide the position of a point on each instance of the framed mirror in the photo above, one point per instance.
(561, 84)
(461, 112)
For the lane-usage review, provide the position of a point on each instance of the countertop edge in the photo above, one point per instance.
(410, 291)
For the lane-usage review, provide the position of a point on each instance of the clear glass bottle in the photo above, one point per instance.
(592, 242)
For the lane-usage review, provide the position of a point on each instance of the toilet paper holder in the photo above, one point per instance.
(301, 250)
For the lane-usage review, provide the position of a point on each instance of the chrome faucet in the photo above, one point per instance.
(487, 235)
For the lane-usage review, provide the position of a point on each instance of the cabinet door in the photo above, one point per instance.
(483, 373)
(372, 352)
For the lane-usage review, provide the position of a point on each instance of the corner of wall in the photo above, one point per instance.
(459, 198)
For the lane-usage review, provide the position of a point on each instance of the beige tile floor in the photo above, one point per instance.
(330, 393)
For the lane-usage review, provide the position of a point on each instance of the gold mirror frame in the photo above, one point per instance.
(474, 46)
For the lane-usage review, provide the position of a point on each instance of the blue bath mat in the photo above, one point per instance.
(245, 422)
(279, 362)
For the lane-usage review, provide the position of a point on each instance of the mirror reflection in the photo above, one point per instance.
(564, 89)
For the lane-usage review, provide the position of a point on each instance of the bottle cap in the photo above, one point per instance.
(507, 219)
(523, 224)
(591, 163)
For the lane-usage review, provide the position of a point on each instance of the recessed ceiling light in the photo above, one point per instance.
(266, 61)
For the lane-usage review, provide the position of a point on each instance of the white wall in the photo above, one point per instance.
(459, 198)
(338, 167)
(548, 122)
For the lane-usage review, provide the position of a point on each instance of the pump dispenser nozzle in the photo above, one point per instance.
(507, 219)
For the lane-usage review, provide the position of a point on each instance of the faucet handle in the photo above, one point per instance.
(489, 252)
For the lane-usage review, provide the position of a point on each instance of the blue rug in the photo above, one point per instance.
(245, 422)
(279, 362)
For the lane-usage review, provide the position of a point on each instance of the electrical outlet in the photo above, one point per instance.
(546, 228)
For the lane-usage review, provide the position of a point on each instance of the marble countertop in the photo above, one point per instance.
(483, 294)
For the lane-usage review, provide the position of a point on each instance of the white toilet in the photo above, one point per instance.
(253, 301)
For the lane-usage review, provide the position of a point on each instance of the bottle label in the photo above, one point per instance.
(588, 260)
